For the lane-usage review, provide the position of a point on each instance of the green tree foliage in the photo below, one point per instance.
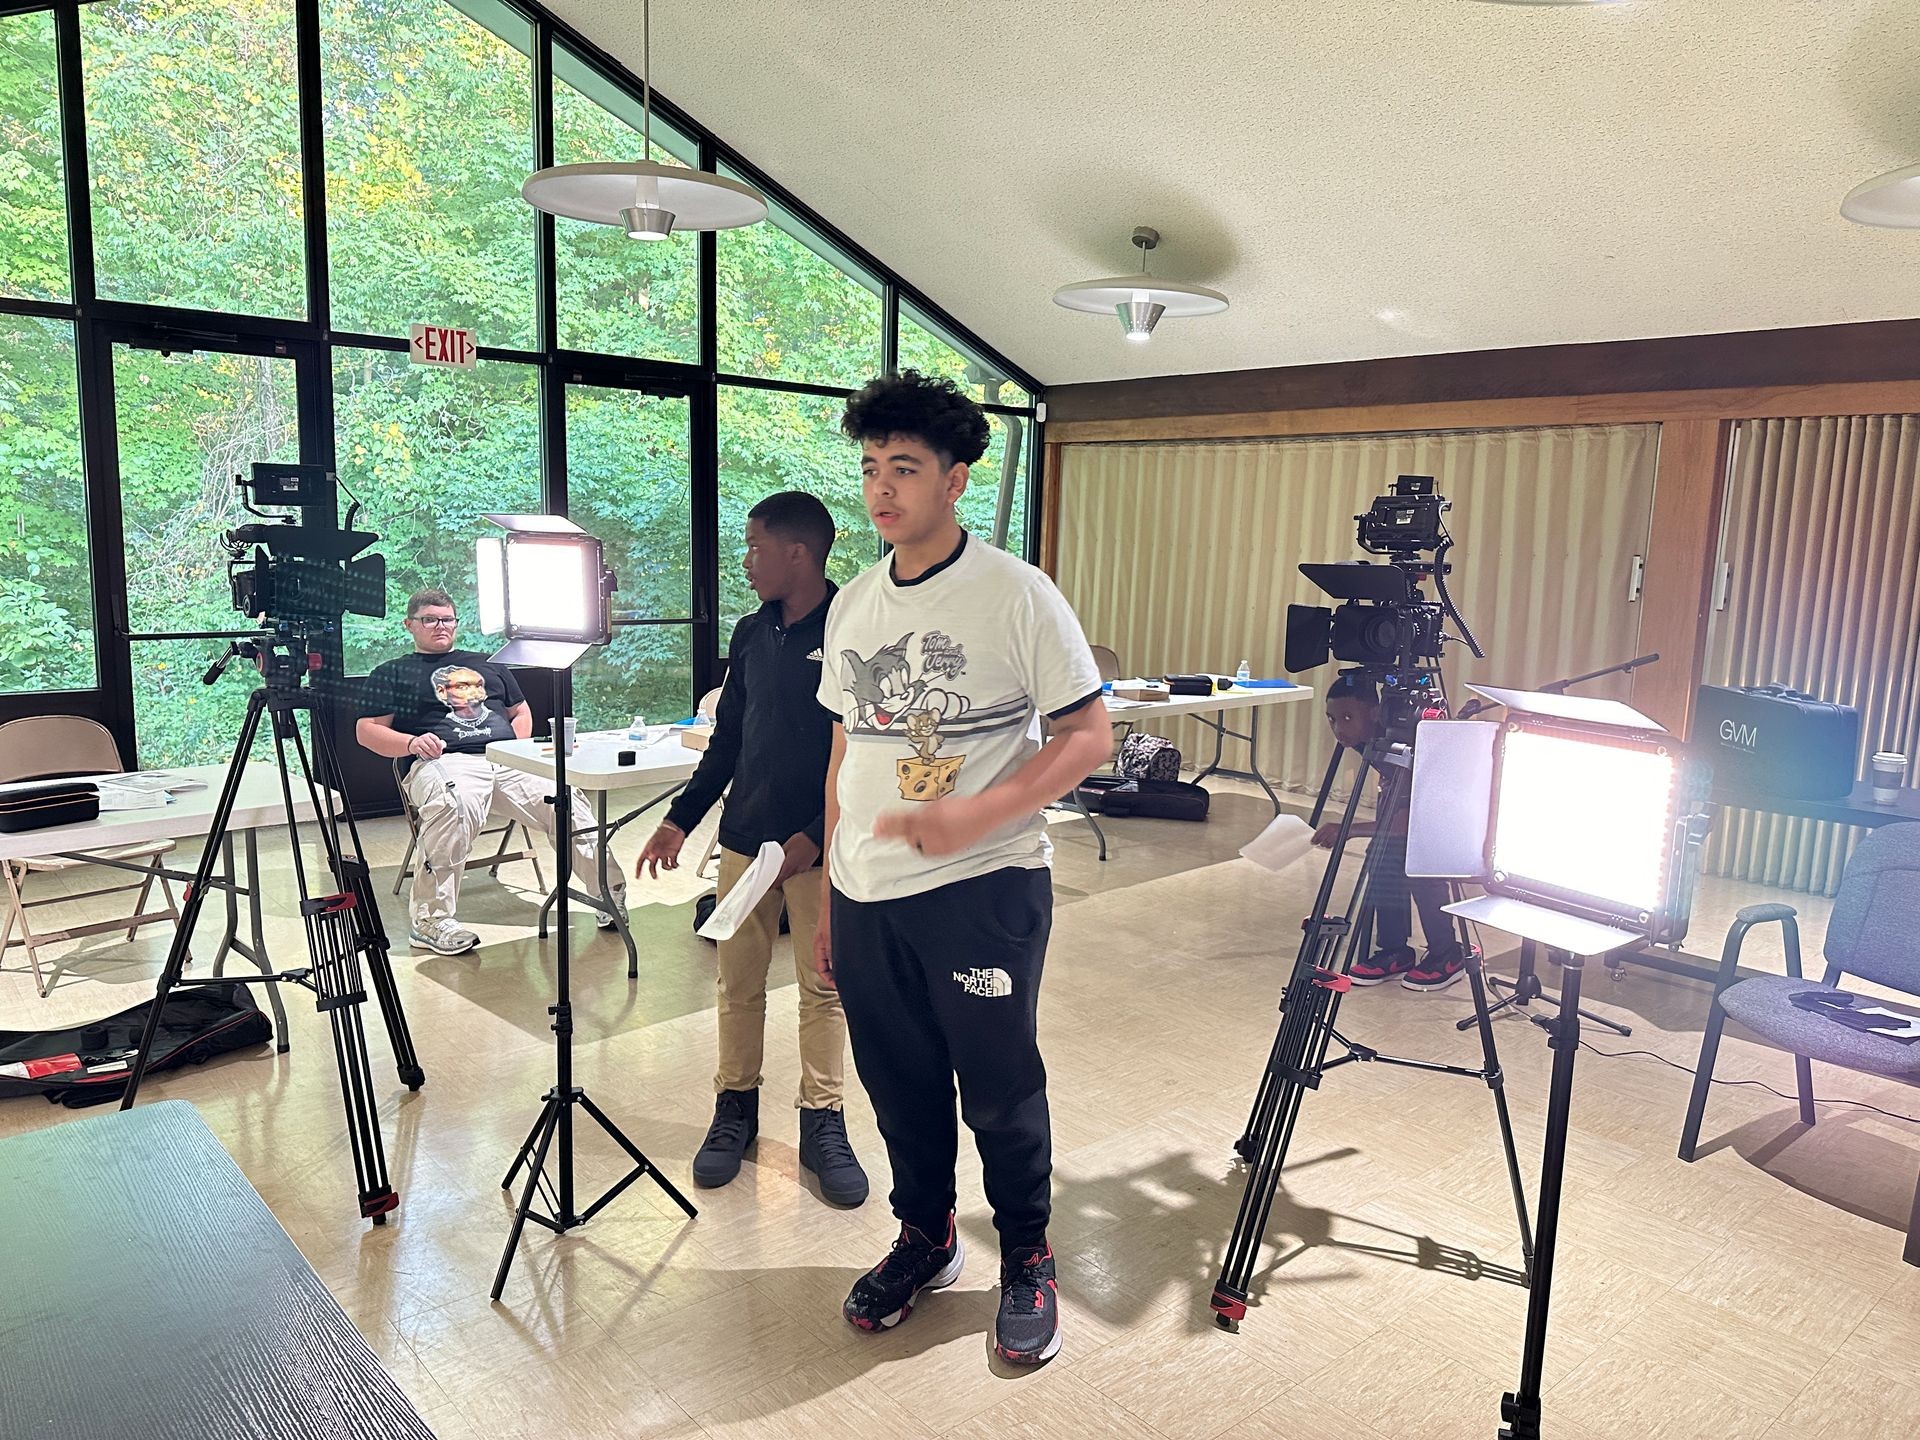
(429, 136)
(193, 137)
(193, 145)
(46, 642)
(33, 213)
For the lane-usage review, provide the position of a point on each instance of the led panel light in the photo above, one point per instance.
(1584, 818)
(1569, 806)
(542, 584)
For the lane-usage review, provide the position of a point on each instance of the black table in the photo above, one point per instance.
(146, 1290)
(1855, 808)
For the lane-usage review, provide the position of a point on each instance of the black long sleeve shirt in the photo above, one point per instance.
(771, 740)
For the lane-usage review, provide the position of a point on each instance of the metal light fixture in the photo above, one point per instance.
(1139, 300)
(1891, 201)
(648, 201)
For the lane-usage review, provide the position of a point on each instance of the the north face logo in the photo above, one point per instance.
(985, 983)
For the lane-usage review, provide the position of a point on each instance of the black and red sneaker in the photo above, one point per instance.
(1027, 1329)
(1442, 966)
(884, 1296)
(1381, 966)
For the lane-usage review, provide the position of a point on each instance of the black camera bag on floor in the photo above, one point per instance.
(1777, 741)
(198, 1023)
(1156, 800)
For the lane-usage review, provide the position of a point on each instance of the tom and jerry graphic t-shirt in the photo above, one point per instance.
(939, 683)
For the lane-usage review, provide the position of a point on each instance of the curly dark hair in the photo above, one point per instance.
(927, 408)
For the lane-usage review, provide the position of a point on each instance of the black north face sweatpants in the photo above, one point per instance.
(946, 984)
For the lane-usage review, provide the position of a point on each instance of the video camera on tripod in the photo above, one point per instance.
(309, 568)
(300, 580)
(1385, 628)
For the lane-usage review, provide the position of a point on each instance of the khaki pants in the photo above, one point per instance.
(453, 796)
(744, 963)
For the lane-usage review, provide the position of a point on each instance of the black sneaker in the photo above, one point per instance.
(1440, 969)
(1381, 966)
(826, 1151)
(884, 1296)
(736, 1121)
(1027, 1330)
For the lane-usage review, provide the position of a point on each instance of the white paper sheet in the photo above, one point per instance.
(1281, 844)
(748, 891)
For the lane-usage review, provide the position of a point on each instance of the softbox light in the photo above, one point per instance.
(544, 585)
(1585, 809)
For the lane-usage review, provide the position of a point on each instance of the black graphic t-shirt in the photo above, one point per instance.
(461, 696)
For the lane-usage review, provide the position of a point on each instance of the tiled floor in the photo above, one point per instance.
(1756, 1293)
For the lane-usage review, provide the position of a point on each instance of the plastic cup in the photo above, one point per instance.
(569, 733)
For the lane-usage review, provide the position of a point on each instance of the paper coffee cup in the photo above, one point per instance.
(1889, 776)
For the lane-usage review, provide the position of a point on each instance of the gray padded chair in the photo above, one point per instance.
(1874, 934)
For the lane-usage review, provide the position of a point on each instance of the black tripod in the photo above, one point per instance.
(1309, 1012)
(343, 928)
(556, 1114)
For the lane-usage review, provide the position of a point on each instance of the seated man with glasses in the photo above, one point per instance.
(435, 711)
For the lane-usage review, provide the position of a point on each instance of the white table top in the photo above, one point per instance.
(594, 764)
(256, 806)
(1208, 704)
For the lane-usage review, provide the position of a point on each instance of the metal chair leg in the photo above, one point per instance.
(1702, 1079)
(1912, 1253)
(406, 860)
(1803, 1073)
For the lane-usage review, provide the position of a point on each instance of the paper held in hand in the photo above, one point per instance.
(1281, 844)
(748, 891)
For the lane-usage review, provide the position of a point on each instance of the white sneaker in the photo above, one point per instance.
(605, 921)
(444, 937)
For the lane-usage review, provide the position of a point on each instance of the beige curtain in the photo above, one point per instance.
(1184, 556)
(1822, 534)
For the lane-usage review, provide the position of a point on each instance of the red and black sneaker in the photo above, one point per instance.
(1027, 1329)
(1381, 966)
(884, 1296)
(1442, 966)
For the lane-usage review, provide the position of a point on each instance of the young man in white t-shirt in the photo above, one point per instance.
(939, 664)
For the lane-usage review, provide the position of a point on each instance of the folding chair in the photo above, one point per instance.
(491, 863)
(1874, 934)
(46, 747)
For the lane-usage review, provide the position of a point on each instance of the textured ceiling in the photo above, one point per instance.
(1361, 177)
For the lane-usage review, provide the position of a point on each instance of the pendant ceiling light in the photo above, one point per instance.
(646, 200)
(1140, 300)
(1891, 200)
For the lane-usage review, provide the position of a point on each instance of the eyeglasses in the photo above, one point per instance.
(440, 622)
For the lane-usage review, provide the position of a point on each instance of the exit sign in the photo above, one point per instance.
(446, 346)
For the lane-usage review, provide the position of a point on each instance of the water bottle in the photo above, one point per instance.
(1243, 674)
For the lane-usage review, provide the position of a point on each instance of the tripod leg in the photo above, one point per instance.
(526, 1149)
(1496, 1081)
(647, 1167)
(378, 949)
(549, 1117)
(190, 910)
(1521, 1407)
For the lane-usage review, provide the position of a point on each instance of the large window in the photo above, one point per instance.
(193, 138)
(429, 125)
(46, 641)
(791, 308)
(628, 483)
(186, 424)
(33, 207)
(180, 332)
(427, 453)
(927, 346)
(616, 296)
(772, 440)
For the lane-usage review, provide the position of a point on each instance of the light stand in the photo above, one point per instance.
(1491, 806)
(553, 625)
